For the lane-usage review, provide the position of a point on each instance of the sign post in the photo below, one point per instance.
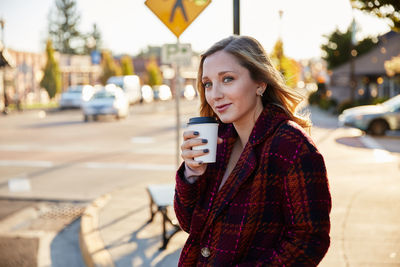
(177, 15)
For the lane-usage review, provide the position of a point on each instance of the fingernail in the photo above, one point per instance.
(204, 141)
(200, 162)
(196, 133)
(206, 150)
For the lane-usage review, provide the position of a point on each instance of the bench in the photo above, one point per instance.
(162, 197)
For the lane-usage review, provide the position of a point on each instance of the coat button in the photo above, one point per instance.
(205, 252)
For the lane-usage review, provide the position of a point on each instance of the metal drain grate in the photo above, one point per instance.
(54, 217)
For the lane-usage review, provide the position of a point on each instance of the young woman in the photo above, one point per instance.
(266, 201)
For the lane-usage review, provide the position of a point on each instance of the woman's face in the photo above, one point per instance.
(229, 89)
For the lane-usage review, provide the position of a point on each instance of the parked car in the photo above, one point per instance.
(162, 92)
(374, 119)
(147, 94)
(189, 92)
(108, 100)
(74, 96)
(130, 84)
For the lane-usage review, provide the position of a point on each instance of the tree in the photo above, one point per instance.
(109, 67)
(63, 23)
(288, 67)
(127, 65)
(337, 50)
(51, 80)
(386, 9)
(154, 73)
(93, 40)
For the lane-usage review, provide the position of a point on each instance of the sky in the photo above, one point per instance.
(128, 26)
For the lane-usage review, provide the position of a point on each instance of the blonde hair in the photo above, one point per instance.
(252, 56)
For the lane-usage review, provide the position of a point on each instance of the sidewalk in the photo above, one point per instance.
(117, 232)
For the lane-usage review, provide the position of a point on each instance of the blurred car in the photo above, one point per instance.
(74, 96)
(108, 100)
(147, 94)
(162, 92)
(189, 92)
(374, 119)
(130, 84)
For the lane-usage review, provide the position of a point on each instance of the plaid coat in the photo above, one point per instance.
(273, 209)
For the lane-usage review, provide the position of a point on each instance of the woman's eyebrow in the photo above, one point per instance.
(219, 73)
(225, 71)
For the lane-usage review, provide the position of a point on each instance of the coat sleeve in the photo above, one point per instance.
(306, 204)
(185, 199)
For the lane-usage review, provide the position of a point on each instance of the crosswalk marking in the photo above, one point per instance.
(91, 165)
(26, 163)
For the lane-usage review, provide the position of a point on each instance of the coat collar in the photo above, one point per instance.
(265, 125)
(271, 117)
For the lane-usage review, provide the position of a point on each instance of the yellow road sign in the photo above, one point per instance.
(177, 15)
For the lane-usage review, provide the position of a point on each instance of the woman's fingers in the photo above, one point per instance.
(188, 144)
(190, 134)
(190, 154)
(220, 140)
(194, 164)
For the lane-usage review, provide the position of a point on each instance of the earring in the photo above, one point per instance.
(260, 93)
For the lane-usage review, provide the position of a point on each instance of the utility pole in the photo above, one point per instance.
(353, 54)
(236, 17)
(280, 23)
(5, 109)
(178, 85)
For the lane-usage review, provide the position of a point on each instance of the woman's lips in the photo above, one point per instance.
(222, 108)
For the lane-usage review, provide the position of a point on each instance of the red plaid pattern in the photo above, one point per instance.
(272, 211)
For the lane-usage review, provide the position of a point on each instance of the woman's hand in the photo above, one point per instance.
(189, 141)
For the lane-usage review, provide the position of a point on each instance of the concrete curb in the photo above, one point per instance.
(92, 246)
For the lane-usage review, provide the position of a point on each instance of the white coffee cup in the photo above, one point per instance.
(208, 129)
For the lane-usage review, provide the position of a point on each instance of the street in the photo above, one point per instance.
(55, 163)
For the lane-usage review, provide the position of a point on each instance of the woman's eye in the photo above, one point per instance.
(227, 79)
(207, 84)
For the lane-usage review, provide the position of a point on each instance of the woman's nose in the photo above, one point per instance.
(216, 92)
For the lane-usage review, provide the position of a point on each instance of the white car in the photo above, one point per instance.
(162, 92)
(374, 119)
(130, 84)
(147, 94)
(189, 92)
(74, 96)
(108, 100)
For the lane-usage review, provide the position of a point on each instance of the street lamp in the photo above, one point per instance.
(2, 30)
(280, 23)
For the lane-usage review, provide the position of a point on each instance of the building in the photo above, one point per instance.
(371, 76)
(5, 62)
(78, 69)
(22, 83)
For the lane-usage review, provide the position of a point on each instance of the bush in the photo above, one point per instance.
(379, 100)
(321, 100)
(313, 98)
(345, 105)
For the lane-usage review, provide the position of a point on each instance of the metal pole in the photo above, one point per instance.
(5, 109)
(178, 120)
(352, 75)
(353, 53)
(236, 17)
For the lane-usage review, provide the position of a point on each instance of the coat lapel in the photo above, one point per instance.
(244, 168)
(266, 124)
